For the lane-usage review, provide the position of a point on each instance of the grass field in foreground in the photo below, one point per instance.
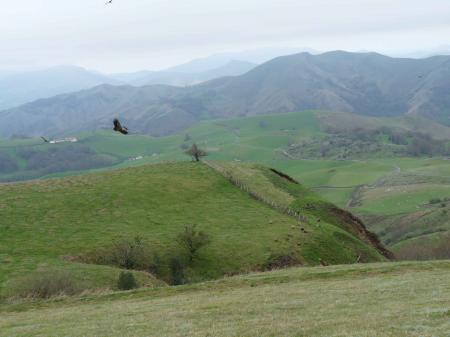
(383, 299)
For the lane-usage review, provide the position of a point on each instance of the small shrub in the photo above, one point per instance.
(281, 260)
(129, 254)
(192, 240)
(177, 267)
(126, 281)
(155, 265)
(126, 253)
(435, 201)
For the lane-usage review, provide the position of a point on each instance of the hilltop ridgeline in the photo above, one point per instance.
(363, 83)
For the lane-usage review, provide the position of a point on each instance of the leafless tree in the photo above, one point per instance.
(196, 153)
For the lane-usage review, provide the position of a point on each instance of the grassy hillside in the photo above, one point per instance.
(263, 139)
(385, 185)
(283, 192)
(48, 224)
(409, 209)
(390, 299)
(392, 196)
(26, 159)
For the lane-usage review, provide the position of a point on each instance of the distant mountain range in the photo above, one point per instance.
(364, 83)
(440, 50)
(23, 87)
(255, 56)
(208, 68)
(175, 78)
(17, 88)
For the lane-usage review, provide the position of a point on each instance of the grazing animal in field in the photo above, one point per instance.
(119, 128)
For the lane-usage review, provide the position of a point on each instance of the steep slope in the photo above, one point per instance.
(20, 88)
(283, 192)
(44, 221)
(367, 84)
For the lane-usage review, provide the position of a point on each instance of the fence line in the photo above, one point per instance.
(244, 187)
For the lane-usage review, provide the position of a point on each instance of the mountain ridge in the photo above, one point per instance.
(18, 88)
(363, 83)
(174, 78)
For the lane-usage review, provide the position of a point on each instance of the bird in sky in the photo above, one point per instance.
(119, 128)
(45, 140)
(109, 2)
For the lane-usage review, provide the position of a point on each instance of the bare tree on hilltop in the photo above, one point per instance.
(196, 153)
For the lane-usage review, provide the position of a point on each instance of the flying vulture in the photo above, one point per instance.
(45, 140)
(109, 2)
(120, 128)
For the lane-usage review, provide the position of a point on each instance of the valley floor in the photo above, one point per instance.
(382, 299)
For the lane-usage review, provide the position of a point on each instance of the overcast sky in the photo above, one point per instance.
(152, 34)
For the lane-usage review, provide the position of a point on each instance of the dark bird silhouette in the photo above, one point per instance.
(45, 140)
(109, 2)
(119, 128)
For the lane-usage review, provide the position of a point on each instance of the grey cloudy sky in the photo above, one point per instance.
(152, 34)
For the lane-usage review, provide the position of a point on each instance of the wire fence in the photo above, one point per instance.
(244, 187)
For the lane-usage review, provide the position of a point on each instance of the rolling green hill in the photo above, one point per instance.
(388, 299)
(370, 183)
(53, 224)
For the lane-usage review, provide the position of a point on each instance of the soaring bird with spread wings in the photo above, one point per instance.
(119, 128)
(109, 2)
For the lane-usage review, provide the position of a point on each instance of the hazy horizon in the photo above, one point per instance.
(153, 34)
(407, 54)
